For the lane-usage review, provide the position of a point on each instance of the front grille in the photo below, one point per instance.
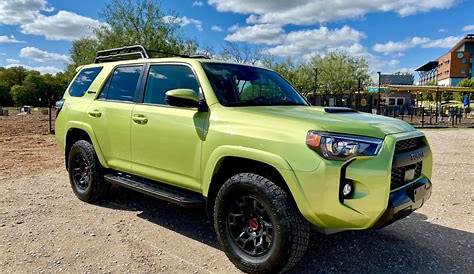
(408, 144)
(398, 173)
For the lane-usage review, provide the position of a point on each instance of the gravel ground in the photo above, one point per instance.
(44, 228)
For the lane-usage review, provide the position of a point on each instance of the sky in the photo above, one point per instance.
(393, 35)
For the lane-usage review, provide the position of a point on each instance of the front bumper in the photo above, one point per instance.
(318, 192)
(404, 201)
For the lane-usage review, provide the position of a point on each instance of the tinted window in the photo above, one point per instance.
(163, 78)
(83, 81)
(240, 85)
(123, 84)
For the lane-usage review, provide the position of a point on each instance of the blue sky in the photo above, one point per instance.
(392, 35)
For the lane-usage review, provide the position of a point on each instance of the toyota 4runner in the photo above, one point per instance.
(242, 142)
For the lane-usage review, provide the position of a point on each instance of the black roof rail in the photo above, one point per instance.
(135, 52)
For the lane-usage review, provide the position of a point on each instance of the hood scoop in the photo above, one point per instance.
(339, 110)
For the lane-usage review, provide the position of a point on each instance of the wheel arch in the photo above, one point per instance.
(228, 161)
(80, 131)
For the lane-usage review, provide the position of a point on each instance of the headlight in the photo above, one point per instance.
(342, 147)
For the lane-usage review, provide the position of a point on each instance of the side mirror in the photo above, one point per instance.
(182, 98)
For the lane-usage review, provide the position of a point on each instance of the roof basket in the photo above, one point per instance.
(135, 52)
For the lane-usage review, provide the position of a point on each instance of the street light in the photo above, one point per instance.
(378, 100)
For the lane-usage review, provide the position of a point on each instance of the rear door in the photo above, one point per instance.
(166, 140)
(110, 115)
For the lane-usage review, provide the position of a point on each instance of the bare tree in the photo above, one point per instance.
(240, 53)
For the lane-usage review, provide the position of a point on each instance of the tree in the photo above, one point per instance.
(5, 97)
(339, 71)
(469, 83)
(240, 53)
(132, 22)
(21, 95)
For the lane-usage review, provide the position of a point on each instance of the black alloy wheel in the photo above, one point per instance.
(250, 226)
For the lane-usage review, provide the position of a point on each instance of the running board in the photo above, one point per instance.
(158, 190)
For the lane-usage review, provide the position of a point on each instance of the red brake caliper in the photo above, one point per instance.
(253, 224)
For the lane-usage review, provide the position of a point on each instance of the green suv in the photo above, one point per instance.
(240, 141)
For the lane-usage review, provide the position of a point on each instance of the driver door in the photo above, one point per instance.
(166, 144)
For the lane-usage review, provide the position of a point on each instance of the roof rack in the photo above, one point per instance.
(135, 52)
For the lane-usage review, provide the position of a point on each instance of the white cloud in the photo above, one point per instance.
(43, 56)
(319, 41)
(256, 34)
(305, 12)
(9, 60)
(64, 25)
(468, 28)
(15, 12)
(447, 42)
(400, 47)
(41, 69)
(183, 21)
(198, 3)
(216, 28)
(233, 27)
(5, 39)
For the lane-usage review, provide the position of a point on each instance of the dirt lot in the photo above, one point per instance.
(44, 228)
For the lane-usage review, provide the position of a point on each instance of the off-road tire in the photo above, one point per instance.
(291, 230)
(97, 187)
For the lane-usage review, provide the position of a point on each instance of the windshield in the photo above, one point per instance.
(240, 85)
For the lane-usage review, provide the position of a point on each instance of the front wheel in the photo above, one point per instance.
(258, 225)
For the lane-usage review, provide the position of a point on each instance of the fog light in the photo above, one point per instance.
(347, 189)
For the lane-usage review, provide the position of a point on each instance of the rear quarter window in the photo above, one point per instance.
(83, 81)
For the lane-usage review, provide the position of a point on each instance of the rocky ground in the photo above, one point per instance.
(44, 228)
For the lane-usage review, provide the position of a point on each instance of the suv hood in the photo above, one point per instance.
(317, 118)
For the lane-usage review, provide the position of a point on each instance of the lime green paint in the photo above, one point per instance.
(184, 147)
(183, 93)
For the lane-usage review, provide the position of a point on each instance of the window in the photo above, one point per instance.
(83, 81)
(396, 101)
(163, 78)
(240, 85)
(122, 85)
(400, 101)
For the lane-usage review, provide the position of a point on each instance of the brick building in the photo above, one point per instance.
(448, 70)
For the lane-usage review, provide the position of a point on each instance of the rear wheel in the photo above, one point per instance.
(258, 225)
(86, 173)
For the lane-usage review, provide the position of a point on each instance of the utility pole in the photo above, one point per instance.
(378, 100)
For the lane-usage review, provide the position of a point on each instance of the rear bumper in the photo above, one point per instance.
(404, 201)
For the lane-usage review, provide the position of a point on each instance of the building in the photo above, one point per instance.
(396, 99)
(448, 70)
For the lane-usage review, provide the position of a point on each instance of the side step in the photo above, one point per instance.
(158, 190)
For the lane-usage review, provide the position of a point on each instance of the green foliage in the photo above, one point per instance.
(21, 95)
(431, 83)
(21, 87)
(336, 72)
(131, 22)
(339, 72)
(467, 83)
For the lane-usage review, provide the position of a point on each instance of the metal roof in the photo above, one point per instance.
(428, 66)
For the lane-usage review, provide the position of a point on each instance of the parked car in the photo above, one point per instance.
(242, 142)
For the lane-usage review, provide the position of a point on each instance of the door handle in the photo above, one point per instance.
(140, 119)
(95, 113)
